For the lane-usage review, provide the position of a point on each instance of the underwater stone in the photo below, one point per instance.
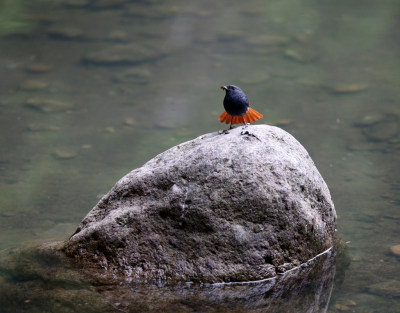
(33, 85)
(140, 76)
(346, 88)
(38, 68)
(67, 33)
(382, 131)
(122, 54)
(395, 250)
(65, 153)
(224, 207)
(49, 105)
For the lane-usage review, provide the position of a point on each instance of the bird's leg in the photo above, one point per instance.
(226, 131)
(245, 123)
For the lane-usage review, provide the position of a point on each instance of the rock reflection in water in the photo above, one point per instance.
(306, 289)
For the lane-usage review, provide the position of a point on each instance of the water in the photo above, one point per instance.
(75, 116)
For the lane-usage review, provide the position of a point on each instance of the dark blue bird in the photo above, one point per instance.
(237, 107)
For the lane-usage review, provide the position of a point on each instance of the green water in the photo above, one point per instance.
(76, 116)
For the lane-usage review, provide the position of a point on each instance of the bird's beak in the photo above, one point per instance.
(224, 88)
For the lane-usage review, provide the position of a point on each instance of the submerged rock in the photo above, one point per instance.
(66, 33)
(39, 279)
(134, 76)
(33, 85)
(38, 68)
(49, 105)
(313, 283)
(346, 88)
(122, 54)
(382, 131)
(395, 250)
(65, 153)
(224, 207)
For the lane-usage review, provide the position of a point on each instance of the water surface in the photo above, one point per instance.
(93, 89)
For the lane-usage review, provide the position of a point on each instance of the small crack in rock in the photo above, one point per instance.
(247, 133)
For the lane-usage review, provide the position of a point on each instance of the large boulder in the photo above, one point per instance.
(240, 205)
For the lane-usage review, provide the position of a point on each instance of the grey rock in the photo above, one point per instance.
(313, 283)
(39, 279)
(220, 208)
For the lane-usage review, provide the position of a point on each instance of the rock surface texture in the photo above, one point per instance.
(224, 207)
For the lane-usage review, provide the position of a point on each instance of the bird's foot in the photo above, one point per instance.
(223, 132)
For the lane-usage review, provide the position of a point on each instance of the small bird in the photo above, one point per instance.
(237, 107)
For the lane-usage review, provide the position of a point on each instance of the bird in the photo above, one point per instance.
(237, 107)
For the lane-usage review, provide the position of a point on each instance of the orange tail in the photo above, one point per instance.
(250, 117)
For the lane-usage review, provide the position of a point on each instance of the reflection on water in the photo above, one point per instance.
(307, 289)
(38, 279)
(91, 89)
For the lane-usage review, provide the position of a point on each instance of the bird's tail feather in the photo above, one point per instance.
(250, 117)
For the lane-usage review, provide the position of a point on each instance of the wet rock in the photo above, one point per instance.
(139, 76)
(39, 279)
(49, 105)
(158, 10)
(300, 56)
(37, 127)
(166, 124)
(95, 4)
(65, 33)
(38, 68)
(118, 35)
(130, 121)
(267, 40)
(110, 130)
(369, 119)
(341, 307)
(76, 3)
(86, 146)
(223, 207)
(395, 250)
(65, 153)
(306, 288)
(106, 4)
(389, 289)
(382, 131)
(230, 35)
(8, 213)
(346, 88)
(32, 85)
(122, 54)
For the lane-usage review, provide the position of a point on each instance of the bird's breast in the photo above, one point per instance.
(236, 107)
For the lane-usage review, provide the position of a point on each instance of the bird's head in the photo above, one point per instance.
(231, 88)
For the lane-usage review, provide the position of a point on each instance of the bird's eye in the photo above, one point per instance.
(233, 88)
